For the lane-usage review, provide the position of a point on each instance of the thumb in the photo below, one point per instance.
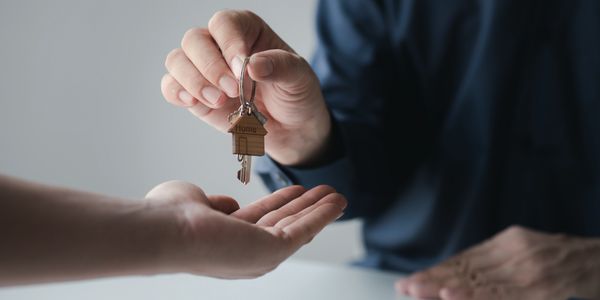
(287, 69)
(224, 204)
(177, 190)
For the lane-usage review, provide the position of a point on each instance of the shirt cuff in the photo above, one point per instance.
(338, 174)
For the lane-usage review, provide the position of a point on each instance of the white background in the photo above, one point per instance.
(80, 101)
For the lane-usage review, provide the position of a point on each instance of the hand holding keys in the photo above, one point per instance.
(203, 78)
(247, 129)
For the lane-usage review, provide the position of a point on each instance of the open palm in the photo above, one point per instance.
(219, 239)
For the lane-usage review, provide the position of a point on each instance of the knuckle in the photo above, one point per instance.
(241, 23)
(239, 17)
(192, 35)
(515, 230)
(211, 67)
(173, 56)
(249, 16)
(233, 44)
(220, 17)
(518, 236)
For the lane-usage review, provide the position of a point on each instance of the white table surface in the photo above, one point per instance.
(294, 279)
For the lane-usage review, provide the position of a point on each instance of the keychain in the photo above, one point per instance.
(247, 129)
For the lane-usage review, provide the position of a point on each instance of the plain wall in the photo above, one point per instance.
(80, 101)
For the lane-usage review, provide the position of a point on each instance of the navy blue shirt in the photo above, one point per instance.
(456, 119)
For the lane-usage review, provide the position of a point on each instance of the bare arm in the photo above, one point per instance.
(55, 234)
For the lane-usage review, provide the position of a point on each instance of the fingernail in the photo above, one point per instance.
(261, 66)
(339, 216)
(236, 66)
(211, 94)
(229, 85)
(186, 98)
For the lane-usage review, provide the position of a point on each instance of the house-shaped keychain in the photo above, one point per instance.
(248, 135)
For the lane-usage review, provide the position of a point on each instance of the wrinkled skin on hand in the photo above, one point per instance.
(517, 263)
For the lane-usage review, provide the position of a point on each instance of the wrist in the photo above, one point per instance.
(304, 146)
(160, 229)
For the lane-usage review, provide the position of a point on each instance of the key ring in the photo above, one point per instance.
(246, 104)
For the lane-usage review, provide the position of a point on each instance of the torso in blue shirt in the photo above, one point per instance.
(459, 118)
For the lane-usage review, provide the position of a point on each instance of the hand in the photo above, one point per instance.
(217, 239)
(517, 263)
(201, 76)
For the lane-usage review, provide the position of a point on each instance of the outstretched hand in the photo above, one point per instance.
(202, 77)
(517, 263)
(217, 238)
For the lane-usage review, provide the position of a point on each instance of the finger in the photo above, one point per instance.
(204, 53)
(305, 200)
(218, 118)
(491, 292)
(420, 285)
(175, 93)
(258, 209)
(476, 259)
(334, 198)
(305, 228)
(460, 270)
(177, 190)
(186, 74)
(235, 33)
(285, 68)
(427, 283)
(224, 204)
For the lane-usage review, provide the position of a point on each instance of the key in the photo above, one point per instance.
(244, 173)
(248, 135)
(247, 130)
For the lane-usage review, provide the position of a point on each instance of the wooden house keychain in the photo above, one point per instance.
(247, 129)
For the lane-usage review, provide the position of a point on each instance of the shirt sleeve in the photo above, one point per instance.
(352, 64)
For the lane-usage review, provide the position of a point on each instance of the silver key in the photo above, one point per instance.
(244, 173)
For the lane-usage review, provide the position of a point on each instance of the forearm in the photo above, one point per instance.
(52, 234)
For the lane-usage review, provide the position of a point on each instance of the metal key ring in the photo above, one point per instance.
(243, 102)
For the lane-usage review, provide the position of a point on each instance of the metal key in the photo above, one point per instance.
(247, 129)
(244, 173)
